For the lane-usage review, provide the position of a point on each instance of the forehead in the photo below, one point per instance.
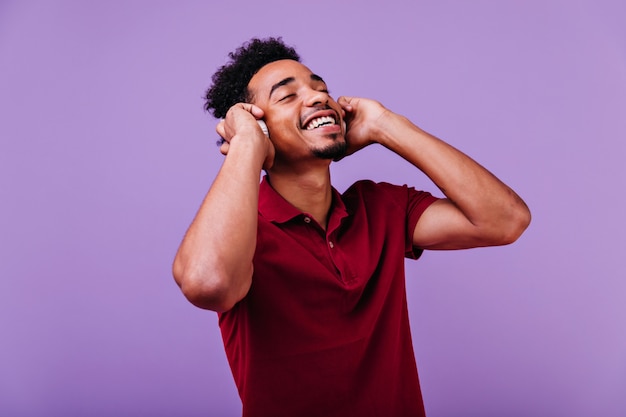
(276, 71)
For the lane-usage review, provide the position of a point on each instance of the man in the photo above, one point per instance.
(308, 283)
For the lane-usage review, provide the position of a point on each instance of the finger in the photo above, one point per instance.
(256, 111)
(224, 148)
(344, 102)
(220, 129)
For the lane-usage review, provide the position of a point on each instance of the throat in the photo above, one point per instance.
(309, 194)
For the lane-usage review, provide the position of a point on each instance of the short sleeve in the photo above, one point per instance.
(418, 202)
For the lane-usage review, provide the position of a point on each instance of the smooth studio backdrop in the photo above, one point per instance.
(106, 153)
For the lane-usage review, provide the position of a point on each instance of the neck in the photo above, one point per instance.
(309, 192)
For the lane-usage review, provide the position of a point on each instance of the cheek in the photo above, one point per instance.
(283, 127)
(288, 140)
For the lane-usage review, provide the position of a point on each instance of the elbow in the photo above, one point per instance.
(515, 226)
(208, 296)
(211, 290)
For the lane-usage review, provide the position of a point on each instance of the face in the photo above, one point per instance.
(303, 119)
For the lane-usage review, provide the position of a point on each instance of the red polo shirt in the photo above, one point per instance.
(324, 329)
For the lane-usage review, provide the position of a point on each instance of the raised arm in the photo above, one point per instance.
(479, 209)
(213, 265)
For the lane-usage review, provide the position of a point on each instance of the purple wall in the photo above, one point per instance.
(105, 154)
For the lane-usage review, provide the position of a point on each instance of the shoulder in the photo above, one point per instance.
(368, 189)
(383, 197)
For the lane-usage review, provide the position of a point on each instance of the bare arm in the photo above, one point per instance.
(480, 210)
(213, 265)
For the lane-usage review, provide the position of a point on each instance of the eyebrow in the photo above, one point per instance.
(281, 84)
(288, 80)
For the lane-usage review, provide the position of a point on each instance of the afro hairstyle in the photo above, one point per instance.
(230, 82)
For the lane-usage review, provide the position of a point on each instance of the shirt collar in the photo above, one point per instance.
(275, 208)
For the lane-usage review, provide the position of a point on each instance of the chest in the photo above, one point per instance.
(337, 267)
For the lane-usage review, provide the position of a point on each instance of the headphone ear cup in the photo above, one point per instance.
(264, 127)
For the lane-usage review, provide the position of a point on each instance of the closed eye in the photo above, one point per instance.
(287, 97)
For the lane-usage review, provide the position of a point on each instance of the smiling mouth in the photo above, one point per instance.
(320, 122)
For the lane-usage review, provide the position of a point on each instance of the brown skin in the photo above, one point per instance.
(214, 263)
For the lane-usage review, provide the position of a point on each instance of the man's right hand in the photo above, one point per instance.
(240, 124)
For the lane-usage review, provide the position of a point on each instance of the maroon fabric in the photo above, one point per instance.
(324, 329)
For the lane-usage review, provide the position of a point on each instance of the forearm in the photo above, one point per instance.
(495, 210)
(213, 265)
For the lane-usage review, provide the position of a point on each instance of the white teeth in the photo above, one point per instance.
(320, 121)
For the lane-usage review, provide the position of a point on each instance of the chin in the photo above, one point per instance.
(334, 151)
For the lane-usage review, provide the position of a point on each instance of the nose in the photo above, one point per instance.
(317, 98)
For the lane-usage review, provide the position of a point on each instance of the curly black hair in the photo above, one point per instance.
(230, 82)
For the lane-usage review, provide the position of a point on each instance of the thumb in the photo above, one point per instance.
(345, 102)
(256, 111)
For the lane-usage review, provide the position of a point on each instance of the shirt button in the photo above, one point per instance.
(307, 220)
(331, 245)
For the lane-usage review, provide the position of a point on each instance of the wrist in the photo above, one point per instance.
(387, 128)
(249, 150)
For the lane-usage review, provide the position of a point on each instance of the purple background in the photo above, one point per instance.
(106, 153)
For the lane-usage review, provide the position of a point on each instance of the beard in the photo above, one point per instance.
(333, 151)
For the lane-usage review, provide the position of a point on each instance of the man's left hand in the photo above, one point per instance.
(363, 119)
